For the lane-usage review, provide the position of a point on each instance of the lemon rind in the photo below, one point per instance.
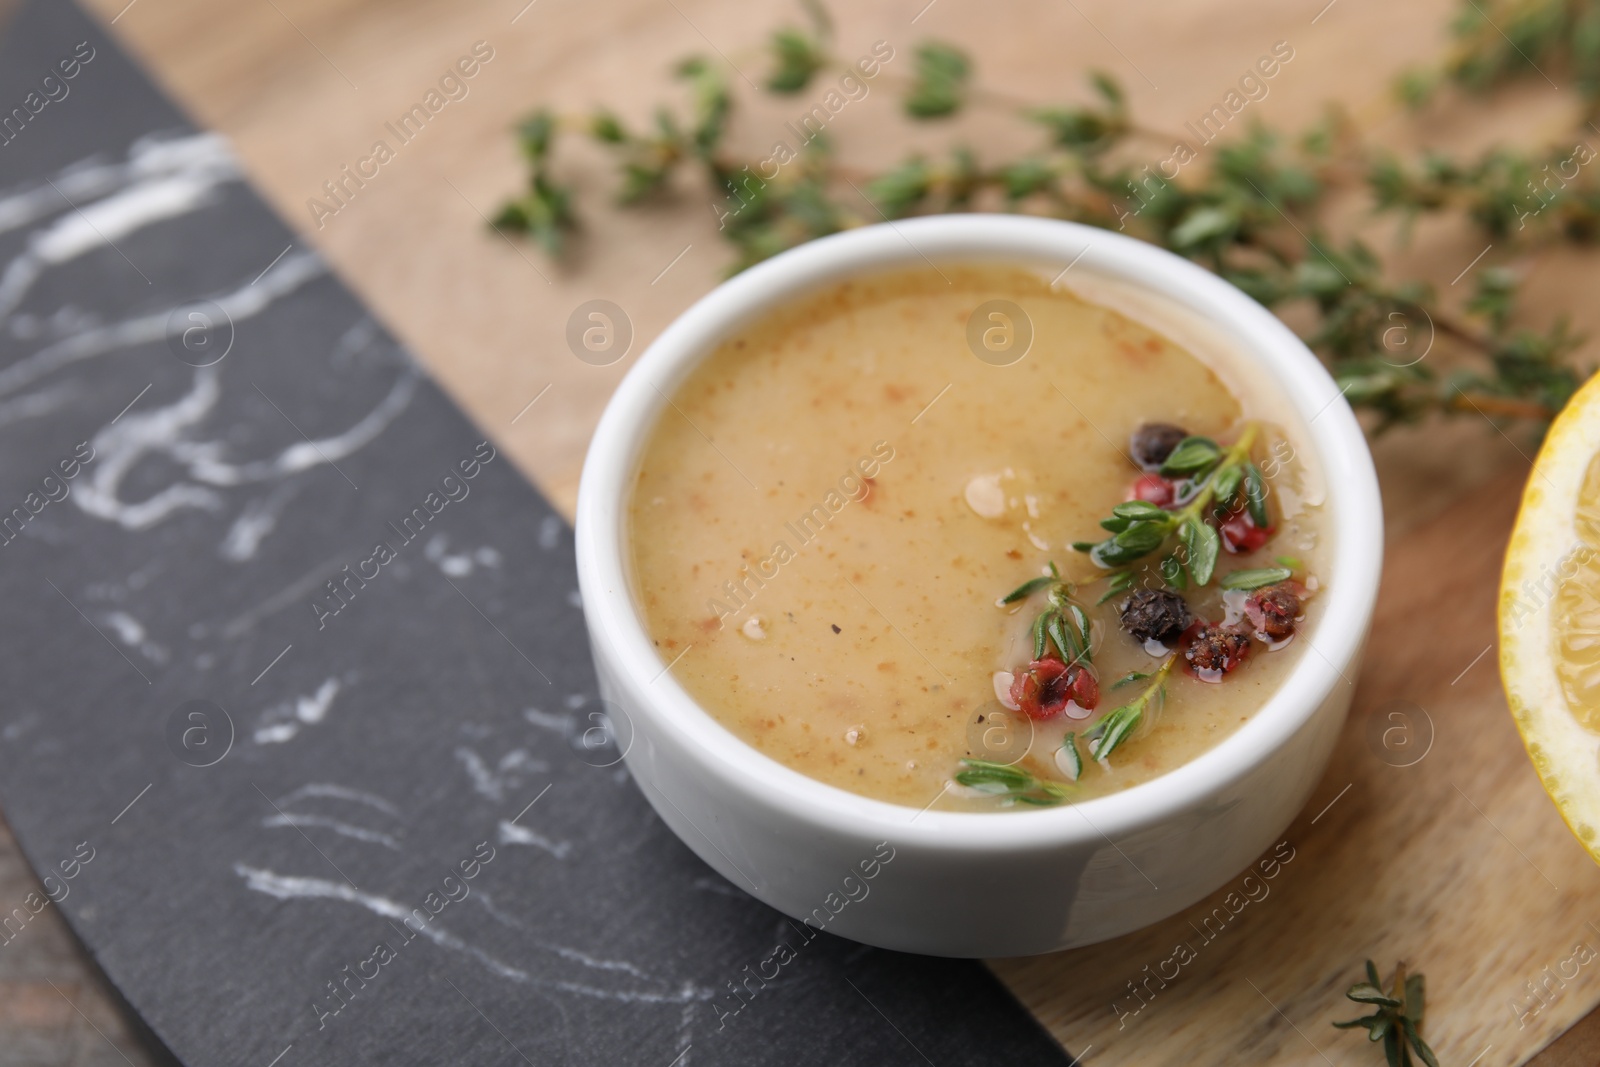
(1564, 754)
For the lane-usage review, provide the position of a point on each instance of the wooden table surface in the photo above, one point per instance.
(304, 87)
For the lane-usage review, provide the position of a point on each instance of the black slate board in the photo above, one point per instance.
(373, 751)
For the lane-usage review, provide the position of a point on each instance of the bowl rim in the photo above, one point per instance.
(617, 630)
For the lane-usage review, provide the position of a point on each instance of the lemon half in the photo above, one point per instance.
(1550, 616)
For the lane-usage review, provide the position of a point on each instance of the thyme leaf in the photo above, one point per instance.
(1067, 759)
(1255, 490)
(1027, 589)
(1192, 455)
(1203, 544)
(1228, 487)
(940, 81)
(1397, 1014)
(1119, 582)
(1255, 578)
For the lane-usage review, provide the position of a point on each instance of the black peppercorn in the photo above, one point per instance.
(1153, 442)
(1155, 615)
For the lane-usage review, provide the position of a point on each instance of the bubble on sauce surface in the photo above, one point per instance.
(1002, 689)
(985, 497)
(754, 628)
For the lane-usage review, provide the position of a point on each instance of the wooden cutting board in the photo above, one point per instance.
(1457, 862)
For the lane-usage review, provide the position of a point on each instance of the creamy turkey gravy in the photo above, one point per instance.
(834, 501)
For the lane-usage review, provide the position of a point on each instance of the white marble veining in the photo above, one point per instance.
(149, 159)
(39, 403)
(459, 564)
(247, 301)
(549, 533)
(93, 205)
(511, 833)
(338, 792)
(290, 810)
(564, 725)
(167, 431)
(583, 982)
(343, 829)
(284, 720)
(258, 519)
(209, 445)
(507, 774)
(132, 633)
(196, 169)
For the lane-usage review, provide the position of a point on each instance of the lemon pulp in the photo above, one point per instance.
(1575, 620)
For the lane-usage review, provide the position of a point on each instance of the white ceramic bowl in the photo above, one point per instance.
(963, 883)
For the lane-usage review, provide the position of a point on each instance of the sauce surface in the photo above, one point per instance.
(829, 509)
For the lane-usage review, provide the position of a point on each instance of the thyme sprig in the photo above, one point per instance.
(798, 54)
(1065, 625)
(1119, 724)
(1062, 623)
(1009, 782)
(544, 210)
(1396, 1017)
(1499, 43)
(1257, 211)
(1214, 480)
